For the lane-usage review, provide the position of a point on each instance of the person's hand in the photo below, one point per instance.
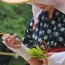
(11, 41)
(45, 61)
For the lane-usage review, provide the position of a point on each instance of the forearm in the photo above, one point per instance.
(22, 51)
(28, 58)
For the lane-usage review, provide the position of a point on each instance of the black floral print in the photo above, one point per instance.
(51, 30)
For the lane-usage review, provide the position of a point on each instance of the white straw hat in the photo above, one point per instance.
(58, 4)
(15, 1)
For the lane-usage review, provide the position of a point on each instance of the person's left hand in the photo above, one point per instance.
(45, 61)
(11, 41)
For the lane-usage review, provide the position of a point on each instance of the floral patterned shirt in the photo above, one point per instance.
(52, 31)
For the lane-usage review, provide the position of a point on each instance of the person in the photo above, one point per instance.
(48, 23)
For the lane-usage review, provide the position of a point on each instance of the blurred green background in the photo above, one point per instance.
(13, 19)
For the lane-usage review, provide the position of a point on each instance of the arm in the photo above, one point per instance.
(10, 41)
(22, 52)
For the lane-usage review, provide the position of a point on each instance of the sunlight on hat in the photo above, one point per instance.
(15, 1)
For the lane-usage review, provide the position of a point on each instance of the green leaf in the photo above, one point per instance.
(36, 52)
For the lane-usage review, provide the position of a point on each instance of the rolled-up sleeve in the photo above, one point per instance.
(57, 59)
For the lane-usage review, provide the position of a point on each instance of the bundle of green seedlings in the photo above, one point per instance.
(37, 52)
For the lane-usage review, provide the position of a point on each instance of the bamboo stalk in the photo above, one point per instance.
(7, 53)
(2, 33)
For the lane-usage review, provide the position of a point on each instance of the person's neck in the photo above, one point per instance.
(50, 11)
(48, 8)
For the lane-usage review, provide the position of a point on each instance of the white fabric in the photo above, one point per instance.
(57, 59)
(47, 2)
(58, 4)
(36, 11)
(21, 51)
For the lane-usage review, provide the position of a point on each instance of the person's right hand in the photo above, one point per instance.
(11, 41)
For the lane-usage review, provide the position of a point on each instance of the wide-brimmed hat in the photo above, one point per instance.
(58, 4)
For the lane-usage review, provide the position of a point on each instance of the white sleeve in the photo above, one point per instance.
(57, 59)
(22, 51)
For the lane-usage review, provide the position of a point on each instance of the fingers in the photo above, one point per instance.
(11, 41)
(45, 61)
(16, 43)
(50, 53)
(12, 37)
(6, 37)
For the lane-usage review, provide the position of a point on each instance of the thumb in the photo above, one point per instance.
(49, 54)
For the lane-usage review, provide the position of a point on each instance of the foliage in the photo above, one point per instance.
(13, 19)
(36, 53)
(18, 61)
